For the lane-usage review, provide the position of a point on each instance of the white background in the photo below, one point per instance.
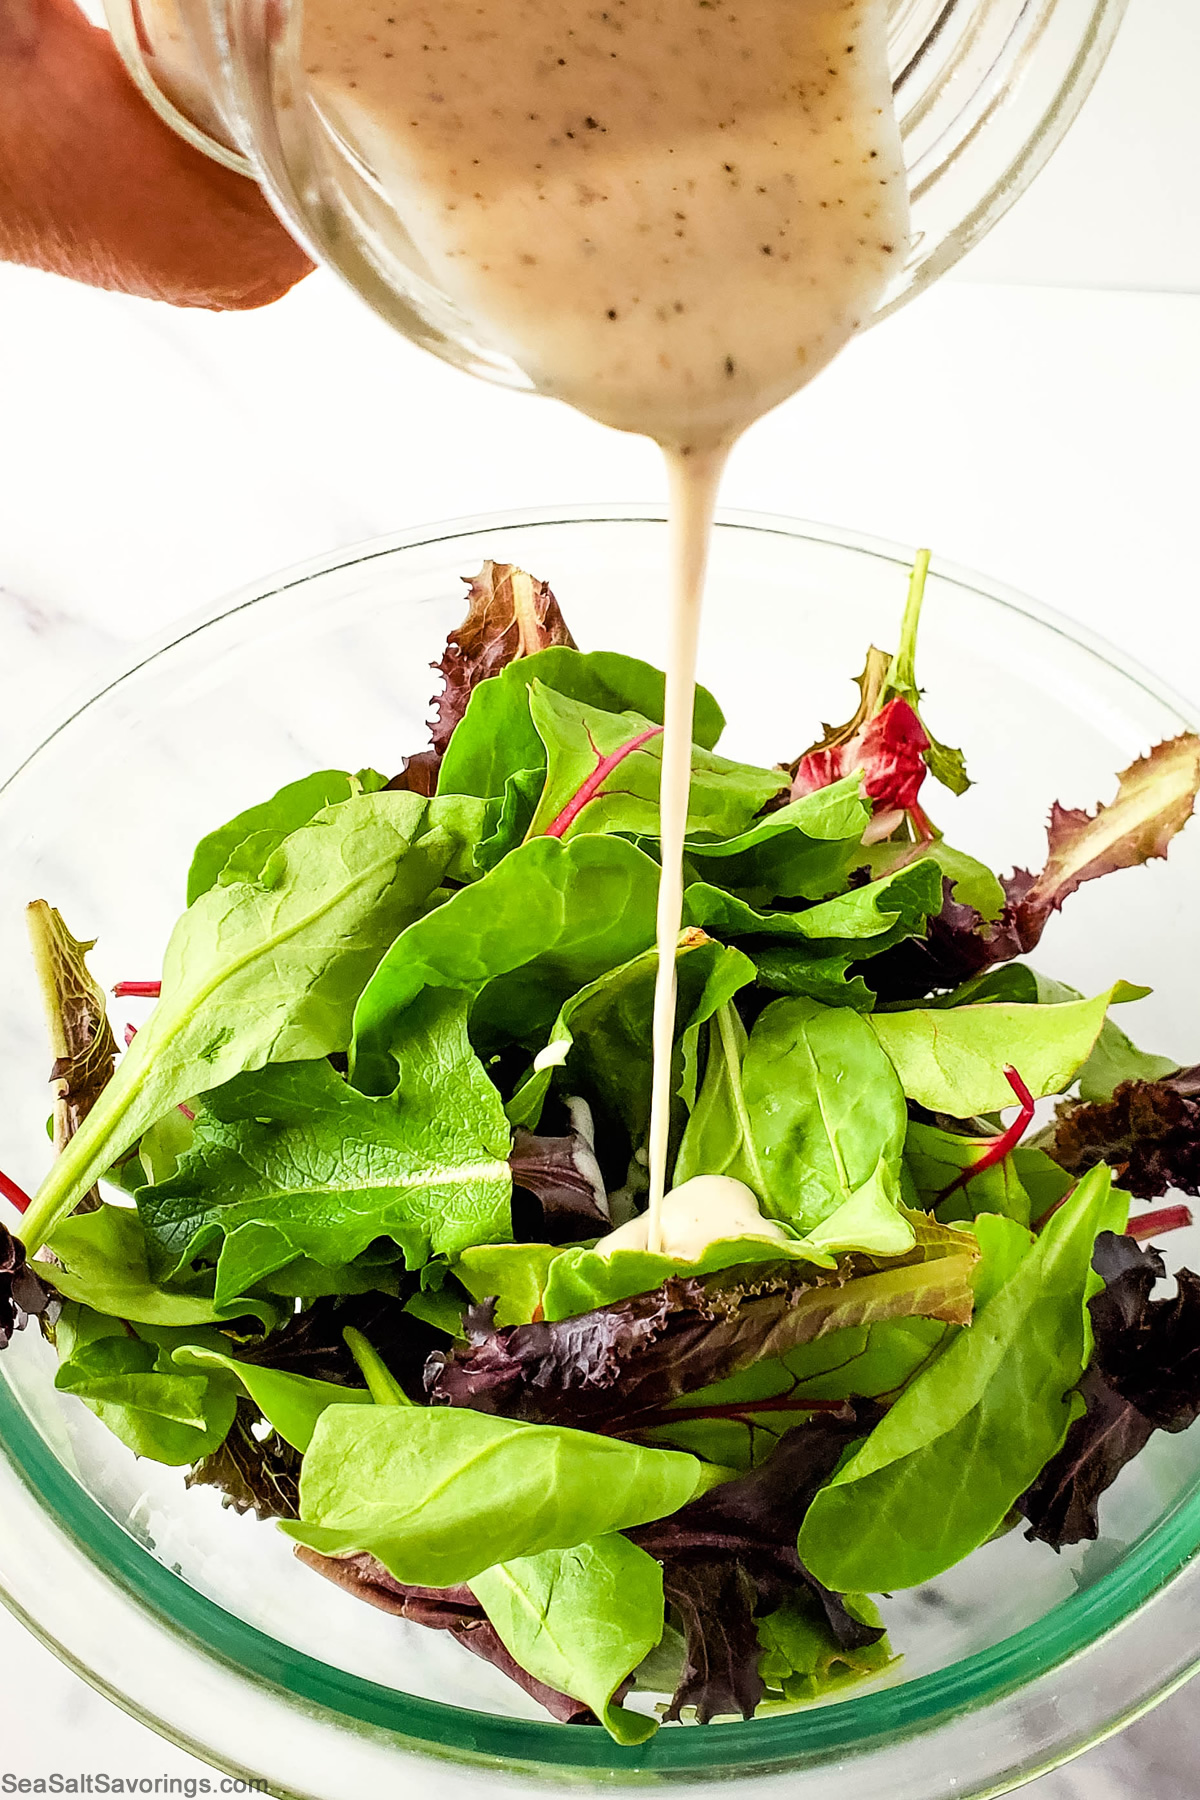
(1034, 417)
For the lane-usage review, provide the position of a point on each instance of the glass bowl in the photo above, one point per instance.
(200, 1622)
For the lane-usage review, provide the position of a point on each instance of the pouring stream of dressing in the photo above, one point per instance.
(669, 213)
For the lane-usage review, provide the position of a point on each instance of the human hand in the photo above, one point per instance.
(93, 185)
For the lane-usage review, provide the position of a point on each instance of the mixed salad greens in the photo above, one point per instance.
(353, 1228)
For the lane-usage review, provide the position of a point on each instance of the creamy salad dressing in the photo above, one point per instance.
(669, 213)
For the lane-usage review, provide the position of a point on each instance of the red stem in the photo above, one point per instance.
(20, 1199)
(1153, 1224)
(735, 1409)
(999, 1147)
(138, 990)
(561, 825)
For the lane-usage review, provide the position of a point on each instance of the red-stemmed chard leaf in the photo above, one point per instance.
(1148, 1134)
(886, 737)
(509, 615)
(587, 790)
(455, 1610)
(1157, 1224)
(1144, 1376)
(1155, 799)
(732, 1554)
(996, 1149)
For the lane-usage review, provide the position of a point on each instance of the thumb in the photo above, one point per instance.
(93, 185)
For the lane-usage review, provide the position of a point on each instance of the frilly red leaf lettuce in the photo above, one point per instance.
(252, 1473)
(22, 1295)
(1154, 800)
(509, 615)
(1144, 1376)
(1148, 1133)
(732, 1554)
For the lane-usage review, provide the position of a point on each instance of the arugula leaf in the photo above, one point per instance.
(439, 1494)
(292, 1404)
(953, 1061)
(805, 850)
(812, 1119)
(102, 1262)
(1149, 1132)
(604, 771)
(496, 737)
(81, 1039)
(264, 971)
(547, 920)
(602, 1036)
(968, 1435)
(132, 1385)
(1144, 1376)
(291, 1162)
(581, 1620)
(255, 833)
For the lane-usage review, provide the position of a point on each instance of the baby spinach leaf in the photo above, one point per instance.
(604, 770)
(496, 737)
(581, 1620)
(972, 883)
(292, 1404)
(291, 1162)
(262, 828)
(103, 1264)
(804, 850)
(937, 1477)
(263, 971)
(547, 920)
(827, 1122)
(132, 1385)
(953, 1061)
(602, 1036)
(439, 1494)
(509, 819)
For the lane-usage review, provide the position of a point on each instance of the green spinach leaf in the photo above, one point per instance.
(802, 1660)
(953, 1061)
(441, 1493)
(134, 1388)
(938, 1476)
(805, 850)
(546, 921)
(262, 828)
(496, 738)
(581, 1620)
(290, 1403)
(264, 971)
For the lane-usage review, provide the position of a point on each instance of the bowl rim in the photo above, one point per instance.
(1073, 1627)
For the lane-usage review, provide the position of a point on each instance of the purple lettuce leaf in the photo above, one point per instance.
(1148, 1134)
(563, 1176)
(252, 1474)
(1144, 1376)
(509, 615)
(1154, 800)
(731, 1555)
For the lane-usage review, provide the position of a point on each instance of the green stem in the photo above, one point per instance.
(903, 673)
(384, 1389)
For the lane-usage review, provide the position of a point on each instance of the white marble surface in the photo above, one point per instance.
(150, 461)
